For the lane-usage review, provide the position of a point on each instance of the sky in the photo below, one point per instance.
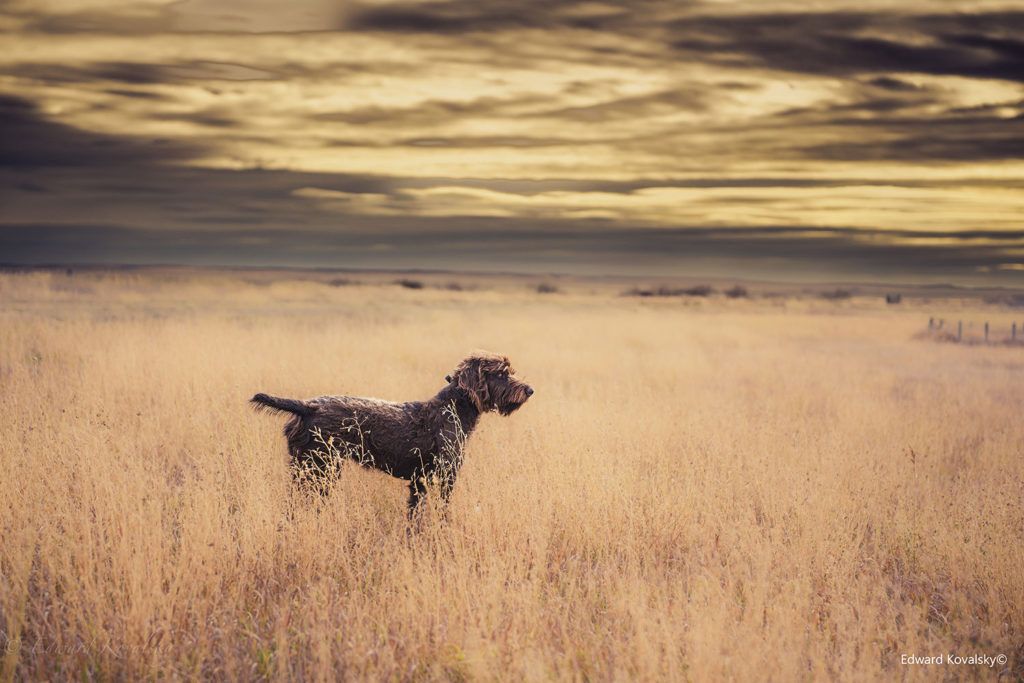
(811, 140)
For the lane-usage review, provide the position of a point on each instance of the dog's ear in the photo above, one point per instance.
(470, 377)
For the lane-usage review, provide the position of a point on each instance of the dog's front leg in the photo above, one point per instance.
(417, 492)
(446, 470)
(447, 486)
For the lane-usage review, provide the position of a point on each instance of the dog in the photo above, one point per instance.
(419, 441)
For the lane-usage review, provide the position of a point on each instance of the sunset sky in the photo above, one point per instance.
(782, 140)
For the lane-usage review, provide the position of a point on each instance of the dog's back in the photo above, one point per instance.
(370, 431)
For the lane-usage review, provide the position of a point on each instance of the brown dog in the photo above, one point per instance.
(419, 441)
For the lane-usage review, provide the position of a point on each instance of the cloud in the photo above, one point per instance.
(57, 17)
(461, 16)
(853, 206)
(136, 73)
(431, 111)
(1002, 141)
(894, 84)
(31, 141)
(54, 173)
(976, 45)
(702, 253)
(524, 134)
(916, 126)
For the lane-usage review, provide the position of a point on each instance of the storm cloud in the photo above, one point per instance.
(974, 45)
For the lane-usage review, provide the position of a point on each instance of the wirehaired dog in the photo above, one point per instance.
(420, 441)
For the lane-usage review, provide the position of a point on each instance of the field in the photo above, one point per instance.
(786, 488)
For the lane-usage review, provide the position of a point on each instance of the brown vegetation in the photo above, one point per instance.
(740, 489)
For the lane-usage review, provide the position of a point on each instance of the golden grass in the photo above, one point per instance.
(747, 490)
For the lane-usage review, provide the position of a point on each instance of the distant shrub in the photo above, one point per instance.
(737, 292)
(546, 288)
(454, 287)
(409, 284)
(340, 282)
(836, 294)
(1012, 300)
(699, 290)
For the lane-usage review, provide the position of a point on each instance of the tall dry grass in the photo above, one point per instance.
(740, 490)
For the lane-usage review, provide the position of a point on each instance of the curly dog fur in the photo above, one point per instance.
(420, 441)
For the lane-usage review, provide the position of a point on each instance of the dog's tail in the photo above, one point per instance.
(285, 405)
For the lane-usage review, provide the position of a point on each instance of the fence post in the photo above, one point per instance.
(1013, 332)
(959, 330)
(931, 323)
(986, 331)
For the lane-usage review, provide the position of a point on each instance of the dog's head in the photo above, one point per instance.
(491, 383)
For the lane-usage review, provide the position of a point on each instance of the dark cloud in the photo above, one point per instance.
(168, 196)
(454, 142)
(965, 144)
(443, 113)
(894, 84)
(430, 112)
(832, 252)
(135, 94)
(528, 187)
(884, 120)
(865, 110)
(135, 179)
(208, 118)
(136, 73)
(30, 140)
(978, 45)
(690, 97)
(889, 130)
(463, 16)
(118, 72)
(988, 109)
(449, 18)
